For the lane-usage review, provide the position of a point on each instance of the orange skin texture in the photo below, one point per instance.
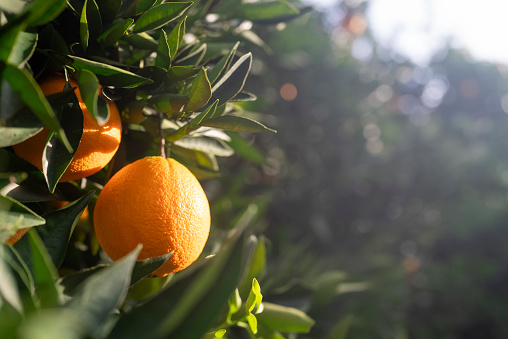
(156, 202)
(98, 144)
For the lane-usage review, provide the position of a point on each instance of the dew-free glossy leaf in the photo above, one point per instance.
(233, 81)
(160, 15)
(237, 124)
(115, 32)
(284, 319)
(27, 88)
(200, 92)
(110, 75)
(168, 103)
(89, 88)
(14, 215)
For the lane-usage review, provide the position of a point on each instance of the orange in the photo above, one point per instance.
(19, 233)
(156, 202)
(98, 143)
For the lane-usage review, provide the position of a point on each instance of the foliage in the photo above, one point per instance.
(177, 72)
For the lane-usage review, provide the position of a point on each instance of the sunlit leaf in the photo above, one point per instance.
(236, 124)
(160, 15)
(217, 69)
(163, 58)
(265, 10)
(115, 32)
(178, 73)
(233, 81)
(14, 215)
(207, 145)
(284, 319)
(90, 23)
(130, 8)
(200, 92)
(89, 89)
(175, 37)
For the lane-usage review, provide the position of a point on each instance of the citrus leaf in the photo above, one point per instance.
(55, 158)
(160, 15)
(89, 88)
(14, 215)
(8, 287)
(44, 272)
(341, 329)
(43, 11)
(59, 226)
(141, 41)
(90, 23)
(200, 92)
(17, 45)
(27, 88)
(237, 124)
(206, 145)
(163, 59)
(246, 150)
(244, 96)
(233, 81)
(168, 103)
(252, 322)
(256, 267)
(175, 37)
(110, 75)
(178, 73)
(255, 297)
(194, 57)
(100, 294)
(145, 267)
(221, 65)
(12, 6)
(265, 10)
(284, 319)
(115, 32)
(206, 114)
(130, 8)
(19, 127)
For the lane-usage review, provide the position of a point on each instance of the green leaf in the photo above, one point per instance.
(115, 32)
(44, 272)
(145, 267)
(234, 303)
(284, 319)
(104, 291)
(206, 114)
(221, 65)
(175, 37)
(252, 322)
(130, 8)
(90, 23)
(20, 126)
(206, 145)
(110, 75)
(27, 88)
(56, 159)
(163, 59)
(233, 81)
(160, 15)
(17, 45)
(255, 297)
(220, 333)
(89, 88)
(244, 96)
(265, 10)
(53, 323)
(59, 226)
(14, 215)
(8, 287)
(341, 329)
(43, 11)
(256, 266)
(200, 92)
(12, 6)
(237, 124)
(141, 41)
(194, 57)
(178, 73)
(168, 103)
(245, 149)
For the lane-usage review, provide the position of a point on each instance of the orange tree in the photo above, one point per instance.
(175, 71)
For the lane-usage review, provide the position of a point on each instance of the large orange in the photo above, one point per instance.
(156, 202)
(98, 143)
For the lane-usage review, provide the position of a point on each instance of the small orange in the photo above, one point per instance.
(98, 143)
(156, 202)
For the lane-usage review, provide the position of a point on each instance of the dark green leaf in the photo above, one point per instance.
(341, 329)
(160, 15)
(19, 127)
(194, 57)
(71, 283)
(178, 73)
(141, 41)
(265, 10)
(206, 114)
(130, 8)
(205, 144)
(40, 12)
(90, 23)
(200, 92)
(100, 294)
(232, 82)
(27, 88)
(244, 96)
(56, 159)
(17, 45)
(236, 124)
(145, 267)
(168, 103)
(256, 266)
(44, 272)
(110, 75)
(284, 319)
(175, 37)
(163, 59)
(115, 32)
(89, 88)
(14, 215)
(8, 287)
(59, 226)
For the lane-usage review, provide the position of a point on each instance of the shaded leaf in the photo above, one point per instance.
(160, 15)
(163, 59)
(178, 73)
(200, 92)
(246, 150)
(237, 124)
(110, 75)
(216, 71)
(233, 81)
(207, 145)
(145, 267)
(194, 57)
(130, 8)
(19, 127)
(175, 37)
(341, 329)
(14, 215)
(8, 286)
(90, 23)
(115, 32)
(168, 103)
(89, 89)
(206, 114)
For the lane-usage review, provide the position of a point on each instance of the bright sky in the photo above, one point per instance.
(417, 28)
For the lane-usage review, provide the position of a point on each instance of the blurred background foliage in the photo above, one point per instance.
(393, 172)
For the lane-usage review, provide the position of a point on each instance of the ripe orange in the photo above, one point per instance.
(98, 143)
(156, 202)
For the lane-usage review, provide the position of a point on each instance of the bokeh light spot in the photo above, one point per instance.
(288, 92)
